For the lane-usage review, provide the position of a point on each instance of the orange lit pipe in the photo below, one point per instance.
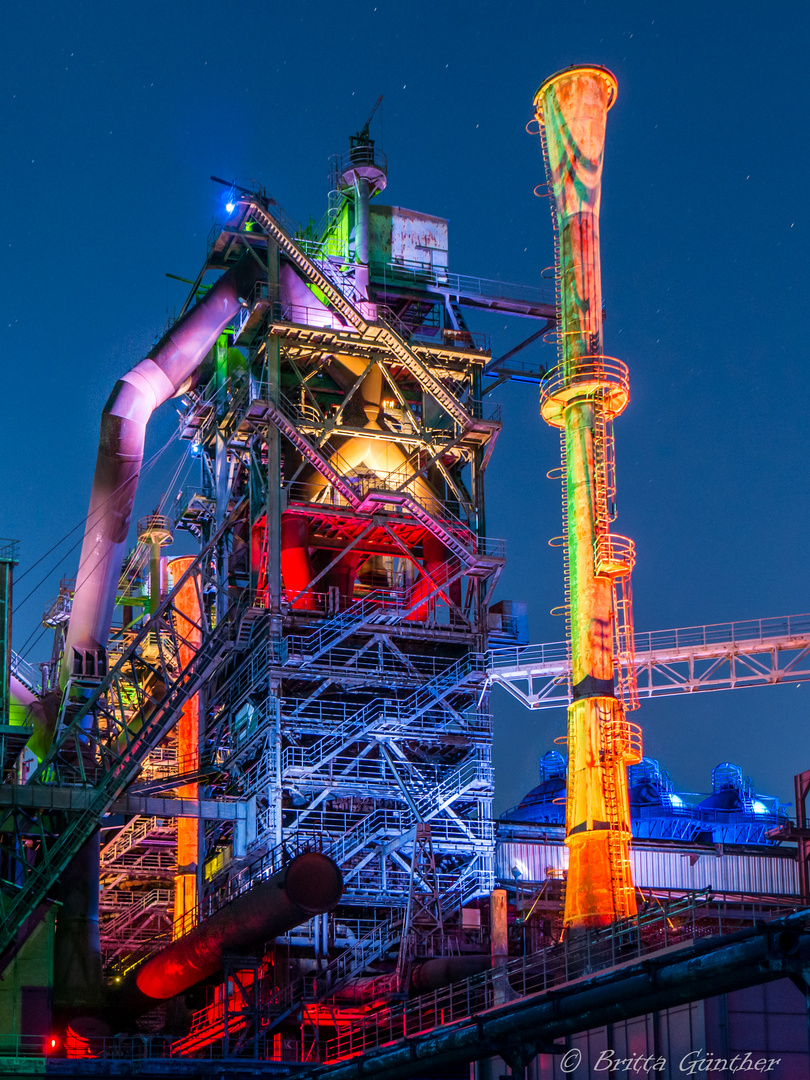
(188, 621)
(582, 396)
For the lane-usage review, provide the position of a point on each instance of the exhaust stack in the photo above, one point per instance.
(581, 397)
(163, 374)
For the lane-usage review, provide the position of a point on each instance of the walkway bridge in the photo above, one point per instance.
(720, 656)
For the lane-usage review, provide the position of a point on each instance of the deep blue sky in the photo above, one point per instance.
(115, 115)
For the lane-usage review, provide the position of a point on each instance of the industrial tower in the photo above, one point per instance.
(255, 786)
(313, 679)
(582, 396)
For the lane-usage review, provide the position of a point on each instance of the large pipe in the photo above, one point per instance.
(164, 372)
(441, 970)
(188, 627)
(310, 885)
(582, 396)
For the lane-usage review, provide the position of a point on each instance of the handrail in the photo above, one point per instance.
(677, 923)
(25, 672)
(439, 277)
(777, 631)
(406, 711)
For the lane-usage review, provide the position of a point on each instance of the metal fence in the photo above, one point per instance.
(677, 923)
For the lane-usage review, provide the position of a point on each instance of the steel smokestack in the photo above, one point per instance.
(581, 397)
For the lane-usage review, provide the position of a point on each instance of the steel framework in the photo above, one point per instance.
(719, 656)
(336, 647)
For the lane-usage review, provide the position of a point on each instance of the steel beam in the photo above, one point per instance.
(723, 656)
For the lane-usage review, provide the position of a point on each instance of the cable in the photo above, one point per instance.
(39, 635)
(48, 552)
(144, 468)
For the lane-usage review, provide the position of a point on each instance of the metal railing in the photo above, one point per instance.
(547, 655)
(9, 550)
(25, 672)
(439, 277)
(675, 923)
(745, 632)
(781, 629)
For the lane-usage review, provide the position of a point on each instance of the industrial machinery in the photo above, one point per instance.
(582, 396)
(255, 783)
(310, 684)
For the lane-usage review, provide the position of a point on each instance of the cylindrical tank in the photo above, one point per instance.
(443, 970)
(310, 885)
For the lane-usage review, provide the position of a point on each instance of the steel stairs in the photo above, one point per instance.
(379, 332)
(392, 715)
(103, 744)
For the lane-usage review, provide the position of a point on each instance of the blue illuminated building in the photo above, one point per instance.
(734, 813)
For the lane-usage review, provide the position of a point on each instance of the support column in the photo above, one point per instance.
(361, 227)
(8, 560)
(274, 508)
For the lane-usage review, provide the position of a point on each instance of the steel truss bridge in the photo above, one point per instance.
(694, 659)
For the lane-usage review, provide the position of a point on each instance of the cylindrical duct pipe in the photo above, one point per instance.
(310, 885)
(443, 970)
(188, 628)
(163, 373)
(580, 397)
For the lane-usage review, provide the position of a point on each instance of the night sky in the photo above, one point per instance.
(115, 115)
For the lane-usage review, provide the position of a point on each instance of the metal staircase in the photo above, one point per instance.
(389, 714)
(102, 744)
(381, 332)
(22, 670)
(472, 773)
(371, 609)
(278, 1003)
(366, 496)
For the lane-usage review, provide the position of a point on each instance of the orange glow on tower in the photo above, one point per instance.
(581, 397)
(188, 623)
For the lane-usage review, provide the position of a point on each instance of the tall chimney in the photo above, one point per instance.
(581, 397)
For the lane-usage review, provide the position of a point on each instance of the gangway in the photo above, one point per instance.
(718, 656)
